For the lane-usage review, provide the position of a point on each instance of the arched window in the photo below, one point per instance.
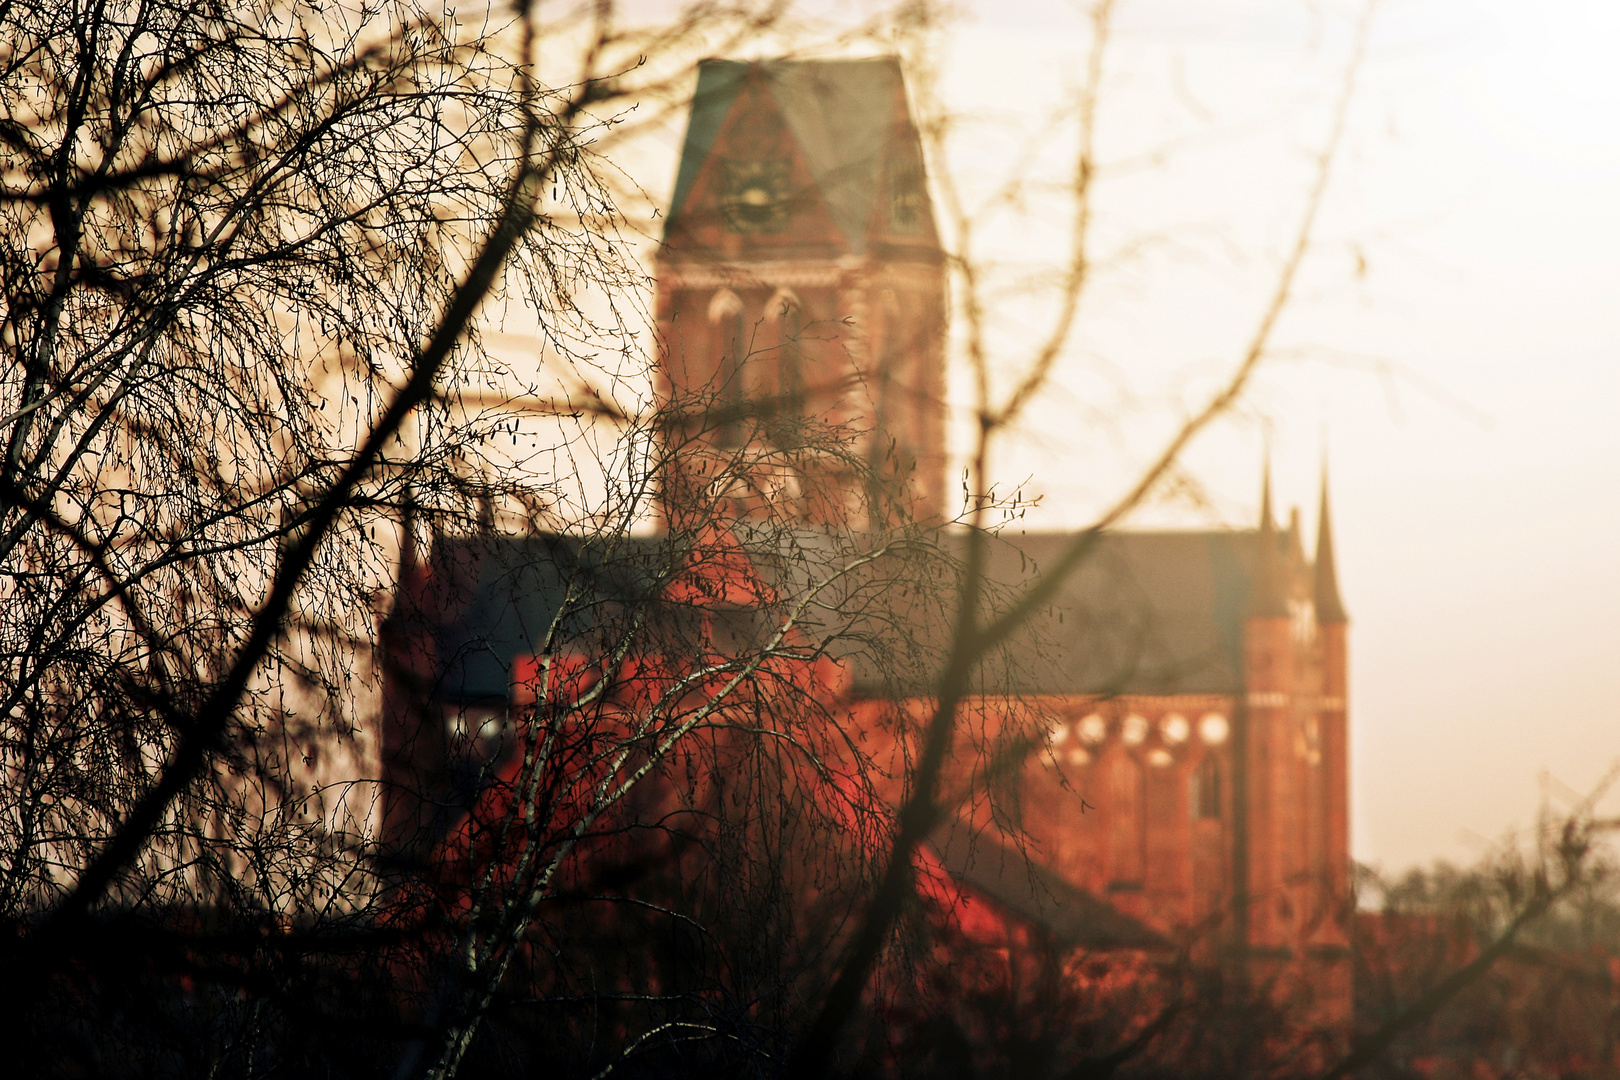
(1204, 790)
(730, 343)
(786, 316)
(891, 359)
(1128, 815)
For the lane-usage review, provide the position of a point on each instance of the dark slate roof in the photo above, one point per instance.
(490, 600)
(1146, 613)
(1036, 896)
(840, 112)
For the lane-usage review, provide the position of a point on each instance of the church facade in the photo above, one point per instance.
(1192, 684)
(1187, 782)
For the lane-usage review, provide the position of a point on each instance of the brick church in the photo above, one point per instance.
(1189, 785)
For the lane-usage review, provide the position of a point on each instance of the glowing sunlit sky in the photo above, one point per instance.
(1454, 346)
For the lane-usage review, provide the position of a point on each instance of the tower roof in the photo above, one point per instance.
(842, 115)
(1329, 606)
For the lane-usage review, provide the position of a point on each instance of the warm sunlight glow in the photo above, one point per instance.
(1547, 97)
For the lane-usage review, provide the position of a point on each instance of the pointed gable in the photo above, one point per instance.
(847, 150)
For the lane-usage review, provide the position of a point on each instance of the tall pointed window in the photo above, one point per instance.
(725, 395)
(787, 324)
(1204, 790)
(1128, 815)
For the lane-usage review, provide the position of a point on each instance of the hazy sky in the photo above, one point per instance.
(1455, 346)
(1455, 349)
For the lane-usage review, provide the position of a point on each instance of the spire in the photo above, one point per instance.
(1296, 541)
(1269, 596)
(1329, 608)
(1267, 522)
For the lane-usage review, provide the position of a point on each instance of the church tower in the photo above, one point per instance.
(1290, 842)
(801, 297)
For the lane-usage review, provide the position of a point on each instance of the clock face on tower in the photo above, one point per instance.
(754, 197)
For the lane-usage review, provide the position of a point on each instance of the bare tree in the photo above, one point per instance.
(977, 632)
(246, 247)
(1503, 968)
(682, 779)
(247, 250)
